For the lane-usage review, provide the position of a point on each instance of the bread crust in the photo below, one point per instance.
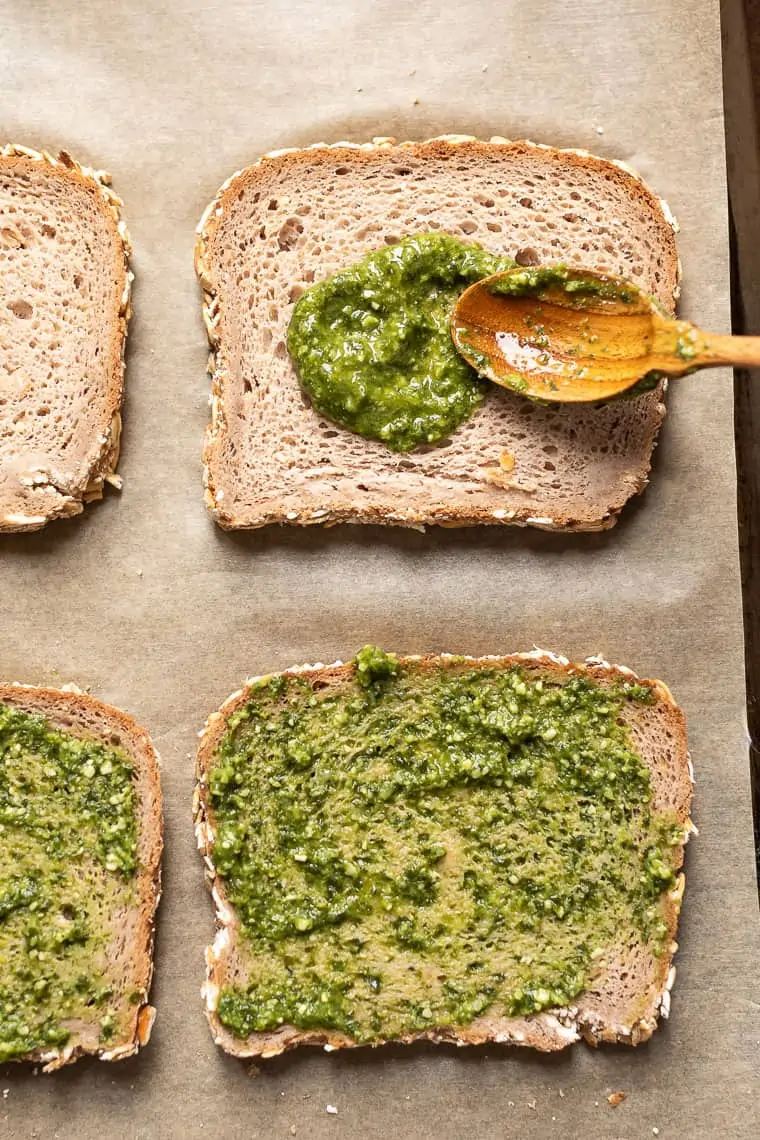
(548, 1031)
(60, 707)
(438, 513)
(70, 501)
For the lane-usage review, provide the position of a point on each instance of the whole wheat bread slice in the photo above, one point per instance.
(299, 216)
(632, 990)
(64, 306)
(129, 953)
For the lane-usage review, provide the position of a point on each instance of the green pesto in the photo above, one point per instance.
(689, 345)
(421, 847)
(68, 849)
(647, 383)
(372, 344)
(535, 282)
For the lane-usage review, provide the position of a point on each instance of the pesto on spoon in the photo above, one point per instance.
(564, 334)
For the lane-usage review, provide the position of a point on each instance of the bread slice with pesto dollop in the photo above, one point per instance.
(80, 877)
(329, 275)
(447, 848)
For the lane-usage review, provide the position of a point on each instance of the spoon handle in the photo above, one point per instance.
(737, 350)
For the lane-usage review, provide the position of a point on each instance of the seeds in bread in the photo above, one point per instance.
(64, 306)
(124, 947)
(298, 216)
(632, 987)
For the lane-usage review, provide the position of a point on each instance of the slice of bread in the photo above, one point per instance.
(123, 907)
(298, 216)
(630, 990)
(65, 286)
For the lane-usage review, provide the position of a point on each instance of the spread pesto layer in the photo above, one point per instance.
(68, 851)
(417, 847)
(372, 344)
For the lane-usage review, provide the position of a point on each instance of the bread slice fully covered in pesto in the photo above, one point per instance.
(442, 848)
(80, 855)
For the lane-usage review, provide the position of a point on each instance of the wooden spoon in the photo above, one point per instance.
(560, 333)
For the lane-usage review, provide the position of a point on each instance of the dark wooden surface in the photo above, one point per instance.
(741, 43)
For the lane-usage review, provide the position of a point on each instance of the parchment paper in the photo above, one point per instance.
(145, 601)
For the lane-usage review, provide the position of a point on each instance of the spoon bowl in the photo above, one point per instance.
(564, 334)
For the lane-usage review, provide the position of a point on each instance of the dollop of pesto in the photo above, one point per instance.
(68, 851)
(426, 845)
(372, 664)
(372, 344)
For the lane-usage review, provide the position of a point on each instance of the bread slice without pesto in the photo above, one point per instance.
(298, 216)
(64, 306)
(127, 959)
(628, 993)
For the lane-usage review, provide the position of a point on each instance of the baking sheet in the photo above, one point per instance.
(145, 601)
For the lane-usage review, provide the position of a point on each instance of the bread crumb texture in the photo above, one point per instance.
(64, 306)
